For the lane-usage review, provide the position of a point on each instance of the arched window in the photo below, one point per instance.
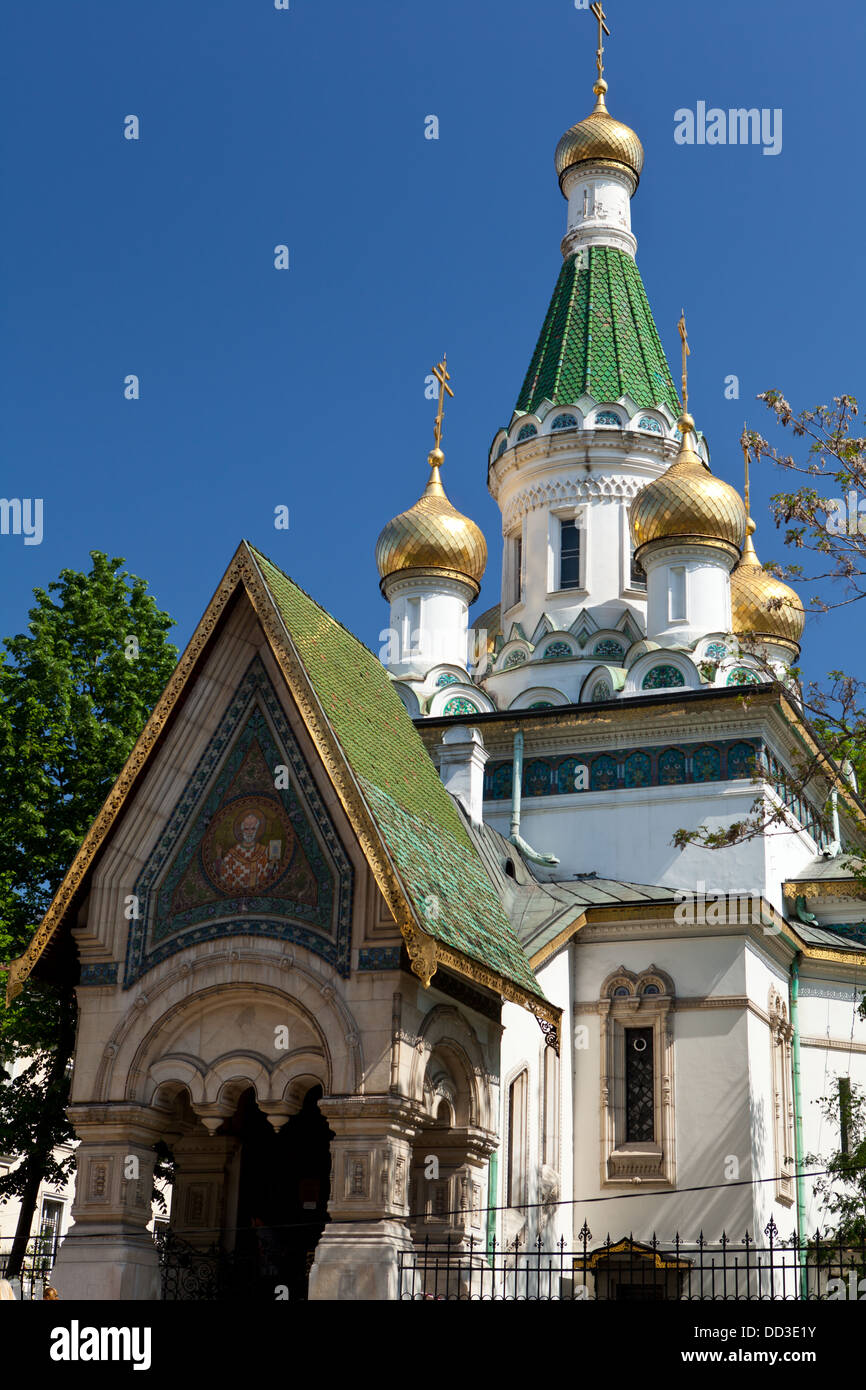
(554, 650)
(460, 706)
(526, 432)
(516, 1156)
(647, 423)
(447, 679)
(742, 675)
(550, 1101)
(662, 678)
(565, 422)
(607, 417)
(610, 650)
(502, 447)
(515, 658)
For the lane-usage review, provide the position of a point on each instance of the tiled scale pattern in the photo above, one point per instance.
(599, 337)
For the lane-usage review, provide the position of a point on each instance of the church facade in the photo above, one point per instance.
(396, 954)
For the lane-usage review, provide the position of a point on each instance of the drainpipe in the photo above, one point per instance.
(492, 1200)
(516, 783)
(835, 848)
(798, 1125)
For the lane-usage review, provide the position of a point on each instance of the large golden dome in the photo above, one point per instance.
(601, 139)
(687, 503)
(432, 535)
(752, 592)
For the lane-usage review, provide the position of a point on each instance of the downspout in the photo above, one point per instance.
(516, 783)
(798, 1125)
(492, 1201)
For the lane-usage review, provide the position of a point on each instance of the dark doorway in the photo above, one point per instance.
(282, 1196)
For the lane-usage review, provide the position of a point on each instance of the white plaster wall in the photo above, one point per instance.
(708, 594)
(599, 208)
(437, 636)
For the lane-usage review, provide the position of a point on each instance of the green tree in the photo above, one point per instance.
(842, 1188)
(75, 692)
(824, 521)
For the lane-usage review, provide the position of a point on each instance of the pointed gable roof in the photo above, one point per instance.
(407, 824)
(599, 338)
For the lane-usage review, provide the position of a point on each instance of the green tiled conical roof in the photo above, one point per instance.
(599, 337)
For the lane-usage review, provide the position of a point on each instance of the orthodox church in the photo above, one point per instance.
(391, 955)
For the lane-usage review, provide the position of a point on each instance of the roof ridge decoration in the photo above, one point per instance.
(383, 817)
(598, 338)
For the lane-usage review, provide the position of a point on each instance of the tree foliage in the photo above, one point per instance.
(75, 691)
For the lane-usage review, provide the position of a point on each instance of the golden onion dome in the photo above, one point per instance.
(432, 535)
(762, 606)
(687, 503)
(601, 139)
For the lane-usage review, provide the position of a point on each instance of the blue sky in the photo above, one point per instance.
(306, 388)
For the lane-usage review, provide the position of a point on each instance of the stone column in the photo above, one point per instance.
(358, 1254)
(109, 1253)
(448, 1205)
(204, 1166)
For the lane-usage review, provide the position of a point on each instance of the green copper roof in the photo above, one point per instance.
(419, 823)
(599, 338)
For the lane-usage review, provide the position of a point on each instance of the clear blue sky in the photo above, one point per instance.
(306, 387)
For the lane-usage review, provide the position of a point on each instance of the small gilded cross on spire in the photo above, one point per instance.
(602, 30)
(443, 377)
(687, 352)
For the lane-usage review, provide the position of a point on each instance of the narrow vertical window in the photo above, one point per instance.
(514, 570)
(413, 623)
(637, 573)
(516, 1173)
(639, 1097)
(569, 555)
(677, 593)
(550, 1136)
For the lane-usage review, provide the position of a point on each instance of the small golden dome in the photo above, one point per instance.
(433, 535)
(600, 138)
(687, 503)
(752, 590)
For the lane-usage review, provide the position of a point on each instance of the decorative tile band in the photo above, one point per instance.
(379, 958)
(631, 768)
(104, 973)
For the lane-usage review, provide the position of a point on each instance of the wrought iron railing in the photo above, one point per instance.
(39, 1260)
(630, 1269)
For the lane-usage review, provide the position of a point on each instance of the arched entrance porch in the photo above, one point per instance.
(249, 1200)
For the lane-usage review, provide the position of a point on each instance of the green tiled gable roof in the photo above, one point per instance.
(599, 338)
(417, 819)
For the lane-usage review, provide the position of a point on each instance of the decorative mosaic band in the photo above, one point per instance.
(104, 973)
(632, 768)
(379, 958)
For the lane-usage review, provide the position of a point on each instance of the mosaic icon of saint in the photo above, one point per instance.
(248, 864)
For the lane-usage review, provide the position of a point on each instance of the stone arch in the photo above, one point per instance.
(448, 1038)
(326, 1043)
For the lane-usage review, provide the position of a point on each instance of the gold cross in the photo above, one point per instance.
(443, 377)
(687, 352)
(602, 29)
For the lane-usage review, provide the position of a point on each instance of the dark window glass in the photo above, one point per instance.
(569, 556)
(638, 574)
(639, 1123)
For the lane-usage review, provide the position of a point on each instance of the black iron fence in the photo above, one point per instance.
(630, 1269)
(39, 1260)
